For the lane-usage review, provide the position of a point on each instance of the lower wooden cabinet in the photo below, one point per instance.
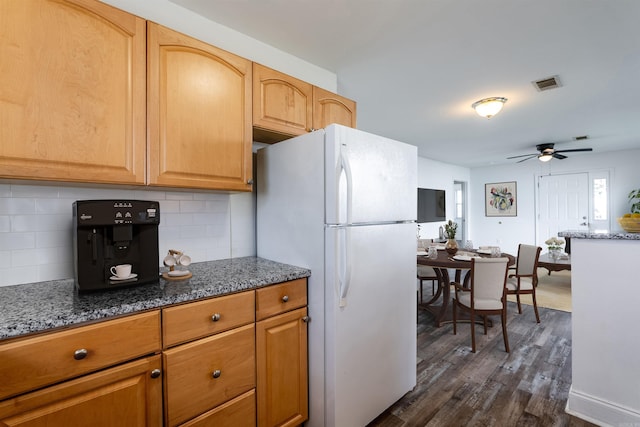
(127, 395)
(281, 354)
(208, 372)
(204, 363)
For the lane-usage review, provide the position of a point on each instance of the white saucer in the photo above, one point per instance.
(176, 273)
(131, 276)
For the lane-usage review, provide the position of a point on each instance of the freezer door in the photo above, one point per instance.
(368, 178)
(370, 339)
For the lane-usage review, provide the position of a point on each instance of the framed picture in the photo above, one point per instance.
(501, 199)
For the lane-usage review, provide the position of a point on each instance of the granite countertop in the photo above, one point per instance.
(36, 307)
(599, 234)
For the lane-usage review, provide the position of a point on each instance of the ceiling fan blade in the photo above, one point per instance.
(524, 155)
(574, 150)
(530, 157)
(558, 156)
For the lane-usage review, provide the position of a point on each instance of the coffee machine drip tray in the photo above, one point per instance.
(108, 233)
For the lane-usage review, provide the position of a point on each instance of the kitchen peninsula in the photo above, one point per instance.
(605, 295)
(169, 353)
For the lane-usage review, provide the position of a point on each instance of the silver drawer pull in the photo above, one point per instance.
(285, 298)
(80, 354)
(306, 319)
(155, 373)
(216, 373)
(215, 317)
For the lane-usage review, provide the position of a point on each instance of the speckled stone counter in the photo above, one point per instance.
(610, 235)
(36, 307)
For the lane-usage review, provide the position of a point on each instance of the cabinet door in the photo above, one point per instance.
(199, 114)
(281, 104)
(72, 92)
(127, 395)
(281, 349)
(330, 108)
(205, 373)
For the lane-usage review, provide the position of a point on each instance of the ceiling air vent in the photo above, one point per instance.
(580, 138)
(548, 83)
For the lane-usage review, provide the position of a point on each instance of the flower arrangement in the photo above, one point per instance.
(450, 229)
(554, 243)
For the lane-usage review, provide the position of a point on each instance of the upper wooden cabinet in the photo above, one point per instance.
(72, 92)
(331, 108)
(281, 104)
(198, 112)
(284, 106)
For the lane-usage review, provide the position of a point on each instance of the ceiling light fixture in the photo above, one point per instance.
(545, 157)
(489, 107)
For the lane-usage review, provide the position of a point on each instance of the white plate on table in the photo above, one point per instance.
(484, 251)
(421, 253)
(440, 247)
(463, 257)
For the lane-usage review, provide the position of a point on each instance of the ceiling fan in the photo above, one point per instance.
(547, 152)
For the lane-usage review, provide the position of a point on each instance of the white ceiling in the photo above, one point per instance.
(415, 67)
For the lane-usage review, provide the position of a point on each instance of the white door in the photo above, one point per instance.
(563, 204)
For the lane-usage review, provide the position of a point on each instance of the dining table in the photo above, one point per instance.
(439, 305)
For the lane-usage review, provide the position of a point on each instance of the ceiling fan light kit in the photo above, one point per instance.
(545, 157)
(489, 107)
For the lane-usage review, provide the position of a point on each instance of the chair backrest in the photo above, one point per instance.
(488, 278)
(527, 263)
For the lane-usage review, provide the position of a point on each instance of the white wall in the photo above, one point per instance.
(508, 232)
(440, 176)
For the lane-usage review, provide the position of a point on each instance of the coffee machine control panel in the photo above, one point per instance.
(117, 212)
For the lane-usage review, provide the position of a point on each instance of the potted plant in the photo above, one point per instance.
(554, 246)
(450, 229)
(630, 221)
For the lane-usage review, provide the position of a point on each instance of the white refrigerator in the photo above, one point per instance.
(342, 203)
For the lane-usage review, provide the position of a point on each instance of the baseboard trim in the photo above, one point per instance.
(600, 412)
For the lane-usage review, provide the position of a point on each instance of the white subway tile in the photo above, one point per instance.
(54, 206)
(17, 275)
(24, 223)
(42, 191)
(13, 206)
(191, 206)
(55, 271)
(192, 231)
(5, 223)
(16, 241)
(5, 259)
(169, 206)
(5, 190)
(24, 257)
(179, 195)
(54, 239)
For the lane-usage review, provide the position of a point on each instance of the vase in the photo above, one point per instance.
(554, 253)
(451, 246)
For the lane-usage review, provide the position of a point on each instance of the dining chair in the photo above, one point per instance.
(525, 279)
(426, 273)
(486, 295)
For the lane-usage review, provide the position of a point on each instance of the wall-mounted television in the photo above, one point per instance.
(431, 205)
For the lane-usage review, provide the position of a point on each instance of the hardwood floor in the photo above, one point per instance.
(455, 387)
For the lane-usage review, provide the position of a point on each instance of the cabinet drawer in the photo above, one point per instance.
(35, 362)
(280, 298)
(238, 412)
(199, 319)
(202, 374)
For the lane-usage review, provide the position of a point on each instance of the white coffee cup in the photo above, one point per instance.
(121, 271)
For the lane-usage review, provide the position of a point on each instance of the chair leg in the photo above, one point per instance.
(473, 332)
(504, 329)
(519, 306)
(420, 291)
(455, 318)
(535, 306)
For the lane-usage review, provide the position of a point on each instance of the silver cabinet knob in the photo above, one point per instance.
(285, 298)
(80, 354)
(155, 373)
(250, 182)
(216, 373)
(215, 317)
(306, 319)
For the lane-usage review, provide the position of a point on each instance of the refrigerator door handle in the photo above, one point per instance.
(344, 268)
(346, 167)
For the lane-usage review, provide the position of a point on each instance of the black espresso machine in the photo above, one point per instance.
(107, 233)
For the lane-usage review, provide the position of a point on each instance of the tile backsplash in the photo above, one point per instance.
(36, 226)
